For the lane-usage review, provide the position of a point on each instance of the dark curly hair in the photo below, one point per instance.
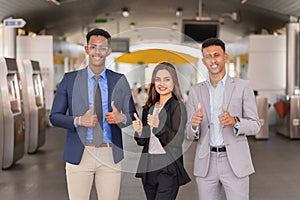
(97, 32)
(213, 42)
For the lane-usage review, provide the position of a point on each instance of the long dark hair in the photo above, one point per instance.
(153, 96)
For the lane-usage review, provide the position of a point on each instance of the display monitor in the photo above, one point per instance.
(120, 45)
(199, 31)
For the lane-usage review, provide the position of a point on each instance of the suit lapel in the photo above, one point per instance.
(80, 97)
(80, 90)
(205, 98)
(229, 87)
(110, 85)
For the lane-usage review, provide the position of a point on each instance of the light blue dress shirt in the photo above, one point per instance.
(104, 93)
(217, 96)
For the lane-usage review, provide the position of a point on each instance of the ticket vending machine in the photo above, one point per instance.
(34, 104)
(262, 110)
(13, 125)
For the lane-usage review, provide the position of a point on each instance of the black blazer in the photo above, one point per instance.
(170, 132)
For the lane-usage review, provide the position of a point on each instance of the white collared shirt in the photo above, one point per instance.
(216, 103)
(155, 146)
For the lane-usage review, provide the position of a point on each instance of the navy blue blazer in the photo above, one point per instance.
(71, 100)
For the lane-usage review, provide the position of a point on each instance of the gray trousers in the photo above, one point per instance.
(220, 174)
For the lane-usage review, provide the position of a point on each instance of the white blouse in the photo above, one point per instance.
(155, 146)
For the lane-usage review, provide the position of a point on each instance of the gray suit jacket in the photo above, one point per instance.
(240, 101)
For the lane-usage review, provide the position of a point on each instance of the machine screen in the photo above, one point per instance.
(14, 92)
(38, 89)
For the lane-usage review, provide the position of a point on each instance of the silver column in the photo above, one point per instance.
(292, 44)
(295, 117)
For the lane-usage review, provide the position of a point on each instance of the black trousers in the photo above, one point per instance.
(161, 184)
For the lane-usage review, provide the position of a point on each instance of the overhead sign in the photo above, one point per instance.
(14, 23)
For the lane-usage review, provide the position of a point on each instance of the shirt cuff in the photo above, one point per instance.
(236, 128)
(195, 131)
(74, 122)
(125, 121)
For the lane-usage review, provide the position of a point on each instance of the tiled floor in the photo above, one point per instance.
(41, 176)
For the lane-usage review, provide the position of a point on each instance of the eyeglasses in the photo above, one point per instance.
(209, 57)
(94, 48)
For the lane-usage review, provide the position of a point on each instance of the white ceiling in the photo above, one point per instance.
(72, 18)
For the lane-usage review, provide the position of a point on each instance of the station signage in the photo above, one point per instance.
(14, 23)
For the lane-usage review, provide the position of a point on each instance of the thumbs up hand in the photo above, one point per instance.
(197, 117)
(153, 120)
(225, 118)
(137, 125)
(88, 119)
(114, 117)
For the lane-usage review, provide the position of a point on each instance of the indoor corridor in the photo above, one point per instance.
(40, 176)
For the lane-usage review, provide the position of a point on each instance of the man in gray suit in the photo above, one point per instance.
(221, 113)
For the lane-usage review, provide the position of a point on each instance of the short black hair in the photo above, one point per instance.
(213, 41)
(98, 31)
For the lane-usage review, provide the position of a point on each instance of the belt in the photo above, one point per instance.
(101, 145)
(218, 149)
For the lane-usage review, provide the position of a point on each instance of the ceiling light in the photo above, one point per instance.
(203, 18)
(234, 16)
(221, 20)
(174, 25)
(244, 1)
(32, 34)
(55, 2)
(132, 25)
(125, 12)
(178, 12)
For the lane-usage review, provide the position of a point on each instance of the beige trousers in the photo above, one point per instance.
(96, 164)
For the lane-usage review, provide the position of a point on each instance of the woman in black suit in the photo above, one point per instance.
(161, 132)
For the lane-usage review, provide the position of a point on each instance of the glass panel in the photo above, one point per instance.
(14, 92)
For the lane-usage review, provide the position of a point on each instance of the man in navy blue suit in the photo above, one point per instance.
(74, 109)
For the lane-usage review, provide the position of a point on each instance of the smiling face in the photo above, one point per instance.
(97, 50)
(163, 83)
(214, 58)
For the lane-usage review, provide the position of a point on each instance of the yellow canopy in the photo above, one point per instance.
(153, 56)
